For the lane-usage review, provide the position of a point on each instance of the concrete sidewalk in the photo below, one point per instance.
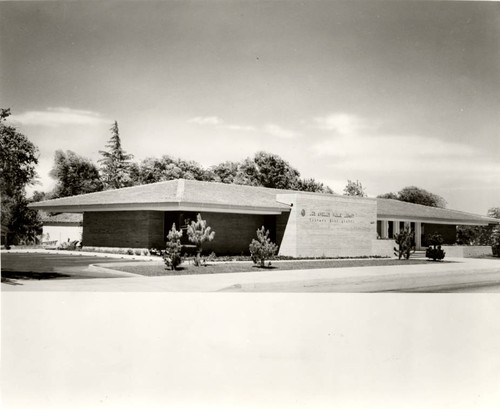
(349, 279)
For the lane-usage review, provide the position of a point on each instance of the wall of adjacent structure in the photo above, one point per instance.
(135, 229)
(61, 233)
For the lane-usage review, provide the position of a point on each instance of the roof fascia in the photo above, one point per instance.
(434, 220)
(183, 206)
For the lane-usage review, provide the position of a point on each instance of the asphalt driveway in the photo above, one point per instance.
(39, 266)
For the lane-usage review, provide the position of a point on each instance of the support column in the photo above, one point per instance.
(385, 229)
(418, 235)
(395, 227)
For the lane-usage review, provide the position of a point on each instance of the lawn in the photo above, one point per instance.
(155, 269)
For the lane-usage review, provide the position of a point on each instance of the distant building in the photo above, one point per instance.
(62, 227)
(301, 223)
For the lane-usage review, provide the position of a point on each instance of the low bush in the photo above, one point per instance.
(434, 251)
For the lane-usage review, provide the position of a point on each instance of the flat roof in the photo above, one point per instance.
(193, 195)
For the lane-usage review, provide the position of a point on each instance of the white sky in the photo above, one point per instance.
(389, 93)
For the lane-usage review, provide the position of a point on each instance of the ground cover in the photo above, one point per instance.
(156, 269)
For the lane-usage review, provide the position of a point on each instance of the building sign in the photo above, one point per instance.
(328, 216)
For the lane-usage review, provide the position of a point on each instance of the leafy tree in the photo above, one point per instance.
(152, 170)
(494, 212)
(172, 256)
(310, 185)
(115, 166)
(263, 248)
(354, 189)
(75, 175)
(198, 233)
(18, 158)
(274, 172)
(413, 194)
(247, 173)
(226, 172)
(480, 235)
(25, 224)
(390, 195)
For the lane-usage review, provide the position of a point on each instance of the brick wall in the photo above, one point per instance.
(233, 232)
(145, 229)
(135, 229)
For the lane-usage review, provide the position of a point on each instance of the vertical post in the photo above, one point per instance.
(395, 226)
(385, 229)
(418, 235)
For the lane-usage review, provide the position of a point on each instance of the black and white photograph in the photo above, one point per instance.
(338, 162)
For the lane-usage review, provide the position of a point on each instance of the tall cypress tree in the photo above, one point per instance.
(115, 164)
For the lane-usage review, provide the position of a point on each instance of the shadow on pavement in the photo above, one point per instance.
(8, 276)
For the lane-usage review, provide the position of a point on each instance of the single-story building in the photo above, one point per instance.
(62, 227)
(303, 224)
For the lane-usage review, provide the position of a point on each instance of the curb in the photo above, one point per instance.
(83, 253)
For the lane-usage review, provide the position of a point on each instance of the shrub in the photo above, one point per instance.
(262, 248)
(434, 251)
(495, 238)
(172, 254)
(404, 240)
(198, 233)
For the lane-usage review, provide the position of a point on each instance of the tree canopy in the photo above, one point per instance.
(152, 170)
(413, 194)
(264, 169)
(18, 158)
(354, 189)
(115, 165)
(74, 174)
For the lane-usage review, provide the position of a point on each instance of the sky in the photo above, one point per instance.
(390, 93)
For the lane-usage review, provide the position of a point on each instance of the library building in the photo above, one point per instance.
(302, 224)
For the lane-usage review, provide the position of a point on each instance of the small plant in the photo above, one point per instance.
(198, 233)
(404, 240)
(262, 248)
(172, 254)
(434, 251)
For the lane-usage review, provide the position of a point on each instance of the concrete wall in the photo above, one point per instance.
(383, 248)
(133, 229)
(467, 251)
(329, 226)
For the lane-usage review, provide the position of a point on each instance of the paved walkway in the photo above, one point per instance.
(352, 279)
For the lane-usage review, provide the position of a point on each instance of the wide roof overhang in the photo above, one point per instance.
(196, 196)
